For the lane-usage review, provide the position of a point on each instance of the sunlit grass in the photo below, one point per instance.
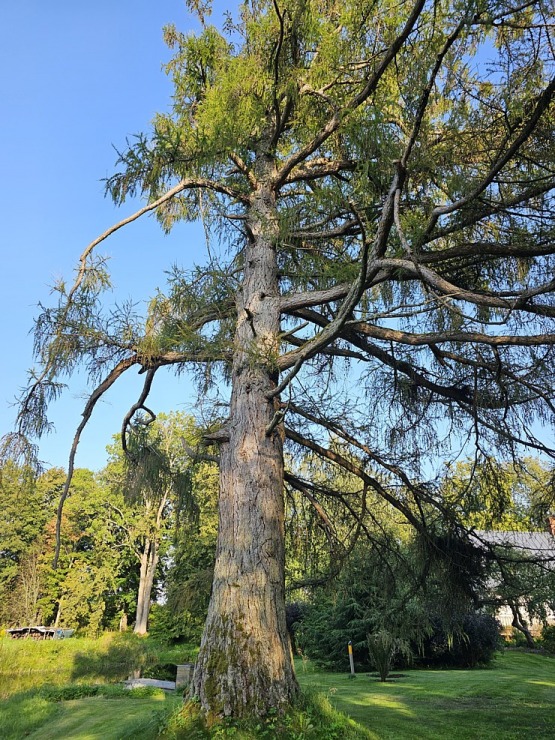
(130, 716)
(26, 664)
(512, 700)
(109, 719)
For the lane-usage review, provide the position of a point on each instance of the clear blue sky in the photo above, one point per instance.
(77, 78)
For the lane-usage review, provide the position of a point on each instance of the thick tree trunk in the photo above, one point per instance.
(149, 561)
(244, 666)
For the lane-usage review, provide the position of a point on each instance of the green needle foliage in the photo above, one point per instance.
(376, 183)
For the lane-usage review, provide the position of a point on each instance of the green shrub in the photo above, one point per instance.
(518, 639)
(548, 638)
(68, 693)
(474, 641)
(327, 627)
(161, 671)
(383, 649)
(83, 691)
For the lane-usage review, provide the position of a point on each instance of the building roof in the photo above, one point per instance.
(532, 545)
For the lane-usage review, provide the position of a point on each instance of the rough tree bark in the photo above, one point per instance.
(244, 665)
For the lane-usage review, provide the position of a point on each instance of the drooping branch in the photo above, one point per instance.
(356, 470)
(185, 184)
(325, 521)
(505, 155)
(95, 396)
(340, 549)
(484, 208)
(415, 375)
(419, 492)
(99, 391)
(519, 300)
(478, 251)
(452, 337)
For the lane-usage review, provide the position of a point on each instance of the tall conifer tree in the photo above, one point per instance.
(381, 176)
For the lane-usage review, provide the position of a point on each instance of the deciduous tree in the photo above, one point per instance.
(154, 477)
(92, 580)
(26, 506)
(488, 494)
(380, 178)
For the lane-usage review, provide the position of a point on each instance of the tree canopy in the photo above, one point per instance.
(376, 182)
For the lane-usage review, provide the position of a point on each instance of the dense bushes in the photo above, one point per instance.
(416, 591)
(327, 628)
(323, 636)
(548, 638)
(369, 595)
(473, 642)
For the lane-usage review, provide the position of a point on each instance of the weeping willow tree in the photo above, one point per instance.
(379, 177)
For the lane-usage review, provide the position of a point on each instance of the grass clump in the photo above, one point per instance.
(312, 717)
(109, 691)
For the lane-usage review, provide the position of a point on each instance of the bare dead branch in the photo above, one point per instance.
(138, 406)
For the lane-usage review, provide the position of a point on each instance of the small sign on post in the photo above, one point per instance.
(351, 661)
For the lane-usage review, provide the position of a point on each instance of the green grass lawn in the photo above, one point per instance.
(92, 718)
(36, 677)
(109, 719)
(514, 699)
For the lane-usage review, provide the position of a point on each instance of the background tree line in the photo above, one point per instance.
(127, 533)
(138, 547)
